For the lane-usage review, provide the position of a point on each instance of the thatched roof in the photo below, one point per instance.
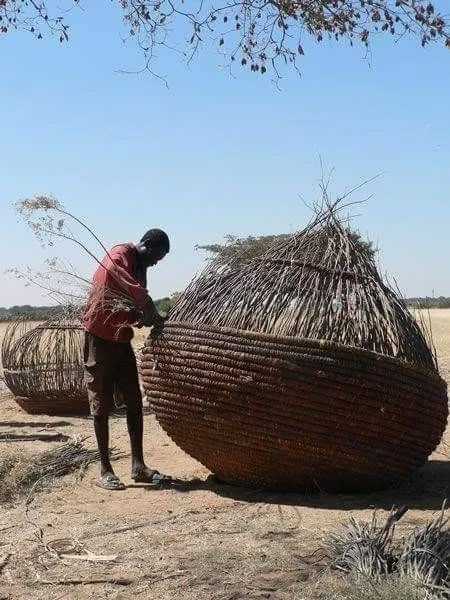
(320, 283)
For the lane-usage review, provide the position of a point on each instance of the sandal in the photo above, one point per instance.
(111, 483)
(151, 476)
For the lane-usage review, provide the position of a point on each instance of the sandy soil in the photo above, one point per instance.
(196, 540)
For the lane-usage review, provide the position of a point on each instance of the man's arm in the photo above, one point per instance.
(120, 271)
(118, 268)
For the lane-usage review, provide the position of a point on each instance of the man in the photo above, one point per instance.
(118, 300)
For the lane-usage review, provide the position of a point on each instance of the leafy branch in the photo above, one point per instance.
(256, 34)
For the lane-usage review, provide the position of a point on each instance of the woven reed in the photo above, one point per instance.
(320, 283)
(299, 367)
(54, 404)
(43, 366)
(285, 413)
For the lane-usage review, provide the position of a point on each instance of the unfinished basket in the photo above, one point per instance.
(298, 369)
(43, 366)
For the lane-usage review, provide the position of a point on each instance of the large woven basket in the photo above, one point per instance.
(287, 413)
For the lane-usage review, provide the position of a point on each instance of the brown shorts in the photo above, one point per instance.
(110, 367)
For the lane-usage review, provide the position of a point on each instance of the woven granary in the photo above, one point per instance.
(43, 366)
(298, 368)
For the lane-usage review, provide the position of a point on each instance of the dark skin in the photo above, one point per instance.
(149, 257)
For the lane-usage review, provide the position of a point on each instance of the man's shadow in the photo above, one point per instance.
(424, 490)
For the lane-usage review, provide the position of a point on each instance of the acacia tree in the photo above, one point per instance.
(234, 248)
(258, 34)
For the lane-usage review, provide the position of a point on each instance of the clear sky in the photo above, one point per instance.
(213, 154)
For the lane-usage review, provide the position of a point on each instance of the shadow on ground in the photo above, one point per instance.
(35, 424)
(425, 490)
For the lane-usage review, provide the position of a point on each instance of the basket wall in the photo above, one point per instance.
(54, 404)
(287, 413)
(43, 367)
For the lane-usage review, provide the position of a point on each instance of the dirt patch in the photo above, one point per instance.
(195, 540)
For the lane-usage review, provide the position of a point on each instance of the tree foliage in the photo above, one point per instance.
(429, 302)
(165, 304)
(246, 248)
(38, 313)
(41, 313)
(256, 34)
(250, 247)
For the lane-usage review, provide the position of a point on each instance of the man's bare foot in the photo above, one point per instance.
(110, 481)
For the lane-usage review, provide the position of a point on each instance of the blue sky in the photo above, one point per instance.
(213, 154)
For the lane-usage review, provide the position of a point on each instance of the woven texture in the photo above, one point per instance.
(321, 283)
(286, 413)
(298, 366)
(54, 404)
(43, 366)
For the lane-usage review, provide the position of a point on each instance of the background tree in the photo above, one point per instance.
(257, 34)
(250, 247)
(246, 247)
(165, 304)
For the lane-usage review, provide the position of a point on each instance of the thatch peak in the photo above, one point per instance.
(319, 283)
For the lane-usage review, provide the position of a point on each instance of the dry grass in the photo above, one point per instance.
(14, 474)
(440, 323)
(369, 550)
(23, 473)
(335, 587)
(321, 283)
(244, 571)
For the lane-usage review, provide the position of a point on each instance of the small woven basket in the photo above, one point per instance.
(43, 366)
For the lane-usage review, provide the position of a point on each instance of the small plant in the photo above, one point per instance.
(365, 548)
(418, 567)
(426, 556)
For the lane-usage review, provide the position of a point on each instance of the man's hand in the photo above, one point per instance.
(150, 317)
(158, 327)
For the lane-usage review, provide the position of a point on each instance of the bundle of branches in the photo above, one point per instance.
(43, 362)
(51, 222)
(256, 34)
(321, 283)
(22, 474)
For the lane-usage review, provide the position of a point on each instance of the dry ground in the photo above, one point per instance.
(196, 541)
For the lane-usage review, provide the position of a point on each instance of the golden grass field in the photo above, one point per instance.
(440, 322)
(200, 541)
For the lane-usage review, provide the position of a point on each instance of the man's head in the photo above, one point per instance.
(153, 247)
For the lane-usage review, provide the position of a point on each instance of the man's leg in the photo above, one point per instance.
(135, 424)
(99, 377)
(129, 384)
(139, 470)
(101, 427)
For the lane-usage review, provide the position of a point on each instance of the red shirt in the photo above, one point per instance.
(118, 292)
